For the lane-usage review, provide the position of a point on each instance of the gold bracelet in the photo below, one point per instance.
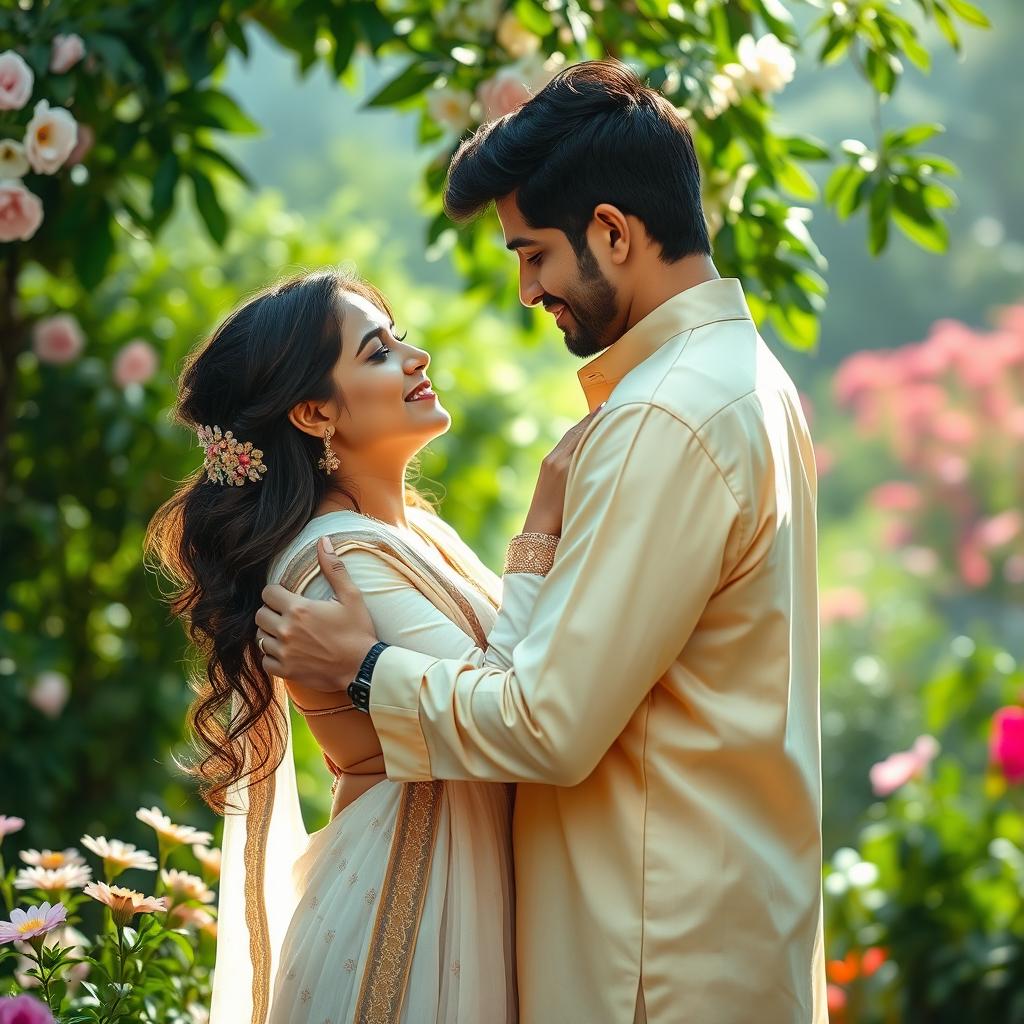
(532, 553)
(317, 712)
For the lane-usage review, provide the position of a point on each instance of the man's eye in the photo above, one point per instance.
(534, 259)
(380, 355)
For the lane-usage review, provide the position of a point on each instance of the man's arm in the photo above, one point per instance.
(651, 531)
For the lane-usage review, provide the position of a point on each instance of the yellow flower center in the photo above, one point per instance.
(43, 135)
(52, 860)
(31, 924)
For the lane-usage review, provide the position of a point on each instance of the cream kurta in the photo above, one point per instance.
(661, 713)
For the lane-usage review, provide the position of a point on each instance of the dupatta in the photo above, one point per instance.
(265, 835)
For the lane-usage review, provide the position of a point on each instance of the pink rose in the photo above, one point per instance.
(898, 769)
(21, 212)
(997, 531)
(1006, 744)
(135, 363)
(86, 140)
(24, 1010)
(50, 137)
(16, 81)
(502, 94)
(66, 53)
(50, 693)
(57, 339)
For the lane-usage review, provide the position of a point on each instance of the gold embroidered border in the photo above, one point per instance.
(304, 566)
(403, 893)
(257, 825)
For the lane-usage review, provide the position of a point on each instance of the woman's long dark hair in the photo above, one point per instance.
(216, 542)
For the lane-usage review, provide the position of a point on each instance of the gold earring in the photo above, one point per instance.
(329, 463)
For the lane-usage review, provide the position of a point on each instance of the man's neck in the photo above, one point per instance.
(667, 280)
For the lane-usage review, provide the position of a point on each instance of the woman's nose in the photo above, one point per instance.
(417, 359)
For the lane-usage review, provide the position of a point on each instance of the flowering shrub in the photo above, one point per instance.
(146, 959)
(948, 417)
(925, 916)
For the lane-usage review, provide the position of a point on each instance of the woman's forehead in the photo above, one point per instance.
(359, 315)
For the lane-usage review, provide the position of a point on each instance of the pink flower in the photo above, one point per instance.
(57, 339)
(861, 373)
(50, 693)
(50, 137)
(844, 604)
(999, 530)
(135, 363)
(67, 51)
(21, 212)
(502, 93)
(954, 427)
(836, 999)
(86, 140)
(896, 496)
(898, 769)
(28, 924)
(16, 81)
(975, 568)
(24, 1009)
(10, 825)
(1006, 743)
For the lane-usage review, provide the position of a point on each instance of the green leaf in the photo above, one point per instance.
(214, 217)
(534, 17)
(797, 182)
(882, 69)
(344, 33)
(236, 36)
(95, 247)
(970, 13)
(164, 182)
(182, 942)
(803, 147)
(946, 26)
(878, 217)
(373, 26)
(214, 156)
(933, 237)
(845, 189)
(835, 45)
(412, 81)
(216, 109)
(906, 138)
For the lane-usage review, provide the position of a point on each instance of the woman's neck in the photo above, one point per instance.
(381, 496)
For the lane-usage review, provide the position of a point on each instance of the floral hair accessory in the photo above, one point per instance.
(228, 460)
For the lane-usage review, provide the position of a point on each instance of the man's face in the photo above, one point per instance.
(573, 289)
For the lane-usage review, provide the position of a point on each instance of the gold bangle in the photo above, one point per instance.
(318, 712)
(532, 553)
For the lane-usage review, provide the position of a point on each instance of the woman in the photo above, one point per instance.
(309, 408)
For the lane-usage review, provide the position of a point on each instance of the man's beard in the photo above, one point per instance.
(592, 305)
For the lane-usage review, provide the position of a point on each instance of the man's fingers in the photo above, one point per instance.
(269, 621)
(334, 569)
(278, 598)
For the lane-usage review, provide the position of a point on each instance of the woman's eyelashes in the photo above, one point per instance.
(380, 355)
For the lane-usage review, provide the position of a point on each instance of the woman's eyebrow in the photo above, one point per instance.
(376, 332)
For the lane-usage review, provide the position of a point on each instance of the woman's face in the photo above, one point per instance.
(388, 408)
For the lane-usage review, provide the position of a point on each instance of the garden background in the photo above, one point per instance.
(221, 145)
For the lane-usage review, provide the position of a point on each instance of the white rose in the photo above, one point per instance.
(66, 52)
(50, 137)
(12, 160)
(768, 63)
(724, 90)
(504, 92)
(16, 80)
(451, 108)
(515, 38)
(50, 693)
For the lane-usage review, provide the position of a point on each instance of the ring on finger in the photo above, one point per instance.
(259, 644)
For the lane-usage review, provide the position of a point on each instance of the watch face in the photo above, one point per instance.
(359, 693)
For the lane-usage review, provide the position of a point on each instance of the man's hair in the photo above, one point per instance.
(594, 134)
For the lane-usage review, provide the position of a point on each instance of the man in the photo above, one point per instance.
(661, 715)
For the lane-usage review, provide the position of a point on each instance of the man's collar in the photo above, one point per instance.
(706, 303)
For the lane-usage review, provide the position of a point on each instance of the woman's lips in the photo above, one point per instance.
(422, 393)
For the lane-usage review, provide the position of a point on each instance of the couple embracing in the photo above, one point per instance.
(587, 792)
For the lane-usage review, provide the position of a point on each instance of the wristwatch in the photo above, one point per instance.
(359, 688)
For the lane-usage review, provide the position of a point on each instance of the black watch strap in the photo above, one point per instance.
(359, 688)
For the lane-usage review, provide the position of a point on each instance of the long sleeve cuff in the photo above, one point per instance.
(395, 711)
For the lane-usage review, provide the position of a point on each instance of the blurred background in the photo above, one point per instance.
(913, 380)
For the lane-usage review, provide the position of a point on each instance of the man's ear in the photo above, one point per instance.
(309, 417)
(613, 233)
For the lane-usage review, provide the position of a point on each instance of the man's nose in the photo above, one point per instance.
(530, 291)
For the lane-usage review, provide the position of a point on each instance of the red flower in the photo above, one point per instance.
(1006, 744)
